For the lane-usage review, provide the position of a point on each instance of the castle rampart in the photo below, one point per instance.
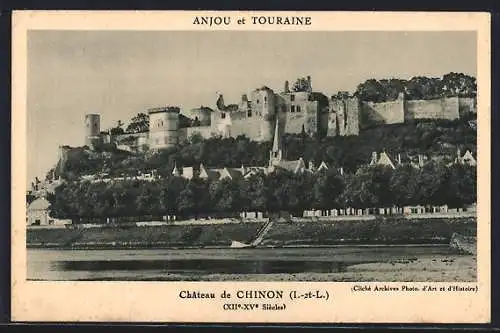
(298, 110)
(444, 108)
(391, 112)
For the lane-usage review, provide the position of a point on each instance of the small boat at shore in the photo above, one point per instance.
(240, 245)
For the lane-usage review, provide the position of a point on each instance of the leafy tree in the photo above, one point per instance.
(371, 90)
(369, 187)
(404, 186)
(431, 184)
(419, 87)
(461, 185)
(138, 124)
(225, 196)
(194, 198)
(459, 84)
(118, 129)
(30, 198)
(254, 193)
(328, 188)
(300, 85)
(424, 88)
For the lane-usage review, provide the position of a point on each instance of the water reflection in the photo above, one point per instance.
(197, 266)
(185, 264)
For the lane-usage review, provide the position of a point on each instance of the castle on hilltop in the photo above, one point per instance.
(296, 110)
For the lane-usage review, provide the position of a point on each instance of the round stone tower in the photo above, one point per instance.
(163, 127)
(264, 106)
(92, 128)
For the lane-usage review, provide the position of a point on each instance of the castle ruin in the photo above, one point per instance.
(298, 110)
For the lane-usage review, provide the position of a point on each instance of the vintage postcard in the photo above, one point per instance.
(292, 167)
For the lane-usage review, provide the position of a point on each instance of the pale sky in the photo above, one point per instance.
(121, 73)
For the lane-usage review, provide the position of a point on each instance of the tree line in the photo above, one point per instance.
(418, 87)
(368, 187)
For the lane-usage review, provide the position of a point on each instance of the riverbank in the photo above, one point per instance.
(282, 234)
(438, 269)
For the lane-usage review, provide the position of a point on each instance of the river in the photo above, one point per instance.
(194, 264)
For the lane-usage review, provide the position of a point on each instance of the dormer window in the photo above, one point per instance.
(292, 97)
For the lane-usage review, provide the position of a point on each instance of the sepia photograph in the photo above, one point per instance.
(251, 166)
(303, 156)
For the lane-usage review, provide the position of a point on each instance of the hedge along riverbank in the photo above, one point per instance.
(388, 231)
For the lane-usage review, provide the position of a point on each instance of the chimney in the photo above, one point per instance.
(287, 87)
(399, 158)
(374, 158)
(309, 84)
(420, 160)
(341, 171)
(243, 170)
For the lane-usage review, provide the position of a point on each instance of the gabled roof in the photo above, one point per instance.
(211, 174)
(231, 173)
(322, 166)
(468, 158)
(385, 160)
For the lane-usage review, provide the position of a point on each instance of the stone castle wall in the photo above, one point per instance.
(400, 110)
(335, 121)
(255, 118)
(467, 105)
(126, 136)
(344, 117)
(306, 119)
(391, 112)
(444, 108)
